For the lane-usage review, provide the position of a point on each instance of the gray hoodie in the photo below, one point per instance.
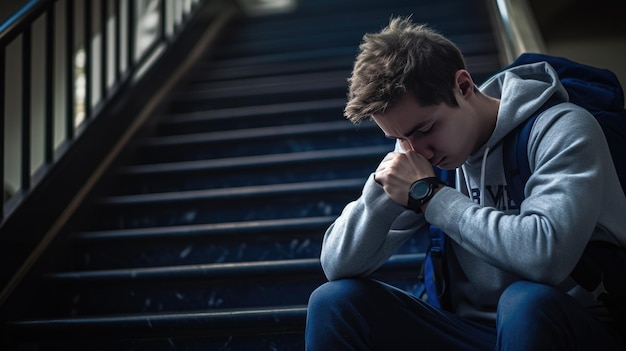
(573, 196)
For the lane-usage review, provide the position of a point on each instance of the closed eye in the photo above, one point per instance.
(423, 130)
(426, 129)
(423, 127)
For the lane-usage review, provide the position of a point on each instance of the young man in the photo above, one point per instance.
(508, 265)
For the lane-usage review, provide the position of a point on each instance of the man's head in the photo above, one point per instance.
(402, 57)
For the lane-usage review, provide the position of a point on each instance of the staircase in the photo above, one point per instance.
(207, 233)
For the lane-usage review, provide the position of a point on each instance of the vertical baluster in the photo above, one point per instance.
(162, 21)
(2, 118)
(104, 62)
(131, 32)
(69, 62)
(87, 37)
(118, 39)
(49, 87)
(26, 114)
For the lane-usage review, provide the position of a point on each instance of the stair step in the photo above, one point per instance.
(293, 167)
(252, 112)
(248, 203)
(216, 231)
(228, 271)
(211, 286)
(233, 194)
(259, 141)
(229, 71)
(290, 238)
(205, 324)
(264, 85)
(273, 132)
(251, 117)
(246, 162)
(279, 59)
(257, 91)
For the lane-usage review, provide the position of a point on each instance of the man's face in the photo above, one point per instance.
(444, 135)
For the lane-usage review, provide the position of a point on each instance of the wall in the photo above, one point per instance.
(591, 32)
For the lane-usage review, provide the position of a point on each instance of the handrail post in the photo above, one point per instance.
(517, 27)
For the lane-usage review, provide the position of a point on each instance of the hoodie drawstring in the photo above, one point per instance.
(483, 170)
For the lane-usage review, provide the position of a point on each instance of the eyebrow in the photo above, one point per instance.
(417, 127)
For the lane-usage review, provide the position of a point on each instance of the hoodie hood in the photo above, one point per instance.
(522, 90)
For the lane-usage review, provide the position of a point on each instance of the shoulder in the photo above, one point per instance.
(566, 131)
(566, 120)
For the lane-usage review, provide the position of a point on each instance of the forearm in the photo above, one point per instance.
(368, 231)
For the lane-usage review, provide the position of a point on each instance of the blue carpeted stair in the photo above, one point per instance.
(209, 237)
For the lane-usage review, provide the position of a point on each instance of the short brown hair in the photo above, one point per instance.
(402, 57)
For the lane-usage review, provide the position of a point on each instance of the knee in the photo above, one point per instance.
(336, 291)
(522, 292)
(524, 300)
(352, 295)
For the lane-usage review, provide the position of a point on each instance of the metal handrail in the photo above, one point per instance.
(61, 62)
(517, 29)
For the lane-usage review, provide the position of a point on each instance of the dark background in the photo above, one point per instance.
(9, 7)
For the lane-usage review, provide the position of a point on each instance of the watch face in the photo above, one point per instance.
(420, 190)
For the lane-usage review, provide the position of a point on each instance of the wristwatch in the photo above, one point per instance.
(421, 191)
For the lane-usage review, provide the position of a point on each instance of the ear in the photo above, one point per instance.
(464, 83)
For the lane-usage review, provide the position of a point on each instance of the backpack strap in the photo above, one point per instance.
(516, 166)
(515, 155)
(433, 273)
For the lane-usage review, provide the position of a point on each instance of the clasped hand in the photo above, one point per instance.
(397, 171)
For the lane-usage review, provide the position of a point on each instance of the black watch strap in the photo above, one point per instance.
(421, 191)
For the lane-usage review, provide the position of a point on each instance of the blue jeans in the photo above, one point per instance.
(364, 314)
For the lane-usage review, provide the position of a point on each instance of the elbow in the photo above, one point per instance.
(548, 278)
(331, 271)
(548, 271)
(336, 270)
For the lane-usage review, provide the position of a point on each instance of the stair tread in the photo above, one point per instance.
(255, 133)
(265, 160)
(280, 58)
(220, 270)
(213, 229)
(265, 85)
(279, 319)
(266, 70)
(215, 115)
(234, 193)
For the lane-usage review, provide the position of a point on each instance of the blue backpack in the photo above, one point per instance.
(602, 267)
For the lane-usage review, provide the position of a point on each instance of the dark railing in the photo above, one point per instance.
(61, 61)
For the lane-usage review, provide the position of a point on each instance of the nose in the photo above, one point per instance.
(422, 147)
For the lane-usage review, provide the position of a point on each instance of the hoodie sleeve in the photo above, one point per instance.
(368, 231)
(571, 178)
